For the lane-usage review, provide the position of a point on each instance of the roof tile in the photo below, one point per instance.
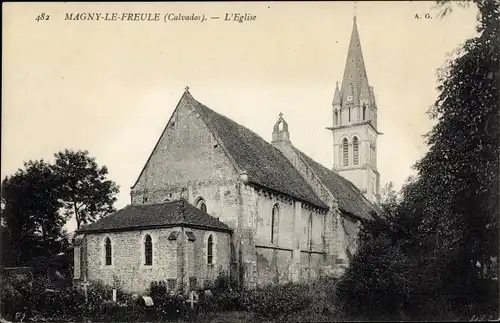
(265, 165)
(175, 213)
(350, 199)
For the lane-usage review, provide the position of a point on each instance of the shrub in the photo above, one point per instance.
(13, 302)
(37, 302)
(274, 301)
(229, 300)
(56, 303)
(225, 295)
(157, 289)
(222, 283)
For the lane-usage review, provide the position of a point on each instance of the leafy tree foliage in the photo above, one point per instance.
(435, 251)
(388, 198)
(31, 225)
(86, 193)
(38, 200)
(460, 171)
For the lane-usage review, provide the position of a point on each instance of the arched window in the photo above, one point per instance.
(107, 251)
(345, 152)
(355, 151)
(364, 111)
(201, 204)
(349, 114)
(148, 251)
(336, 118)
(274, 223)
(309, 232)
(210, 250)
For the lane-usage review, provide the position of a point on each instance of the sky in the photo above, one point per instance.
(109, 87)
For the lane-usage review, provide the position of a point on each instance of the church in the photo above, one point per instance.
(214, 197)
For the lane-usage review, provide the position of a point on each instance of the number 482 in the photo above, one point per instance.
(42, 16)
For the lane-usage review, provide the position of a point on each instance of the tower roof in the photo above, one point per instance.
(336, 96)
(355, 71)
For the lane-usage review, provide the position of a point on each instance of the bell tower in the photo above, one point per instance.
(355, 124)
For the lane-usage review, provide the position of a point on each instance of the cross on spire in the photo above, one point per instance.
(186, 88)
(281, 115)
(355, 7)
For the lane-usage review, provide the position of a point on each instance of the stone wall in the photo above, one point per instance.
(186, 155)
(273, 265)
(128, 270)
(277, 260)
(334, 237)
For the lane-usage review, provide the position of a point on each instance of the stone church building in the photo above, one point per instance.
(215, 197)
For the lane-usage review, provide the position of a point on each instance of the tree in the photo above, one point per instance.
(460, 172)
(388, 198)
(31, 225)
(86, 193)
(422, 258)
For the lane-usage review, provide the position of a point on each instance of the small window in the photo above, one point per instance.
(210, 250)
(349, 114)
(364, 111)
(345, 152)
(144, 199)
(349, 98)
(355, 151)
(148, 251)
(201, 204)
(107, 250)
(336, 118)
(274, 223)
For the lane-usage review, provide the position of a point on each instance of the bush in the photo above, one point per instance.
(56, 303)
(38, 302)
(374, 287)
(13, 302)
(157, 289)
(230, 300)
(222, 283)
(274, 301)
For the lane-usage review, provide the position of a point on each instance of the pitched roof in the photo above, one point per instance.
(350, 199)
(264, 164)
(167, 214)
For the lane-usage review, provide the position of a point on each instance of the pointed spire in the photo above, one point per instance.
(186, 97)
(336, 96)
(355, 72)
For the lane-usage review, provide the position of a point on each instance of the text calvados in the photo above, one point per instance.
(181, 17)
